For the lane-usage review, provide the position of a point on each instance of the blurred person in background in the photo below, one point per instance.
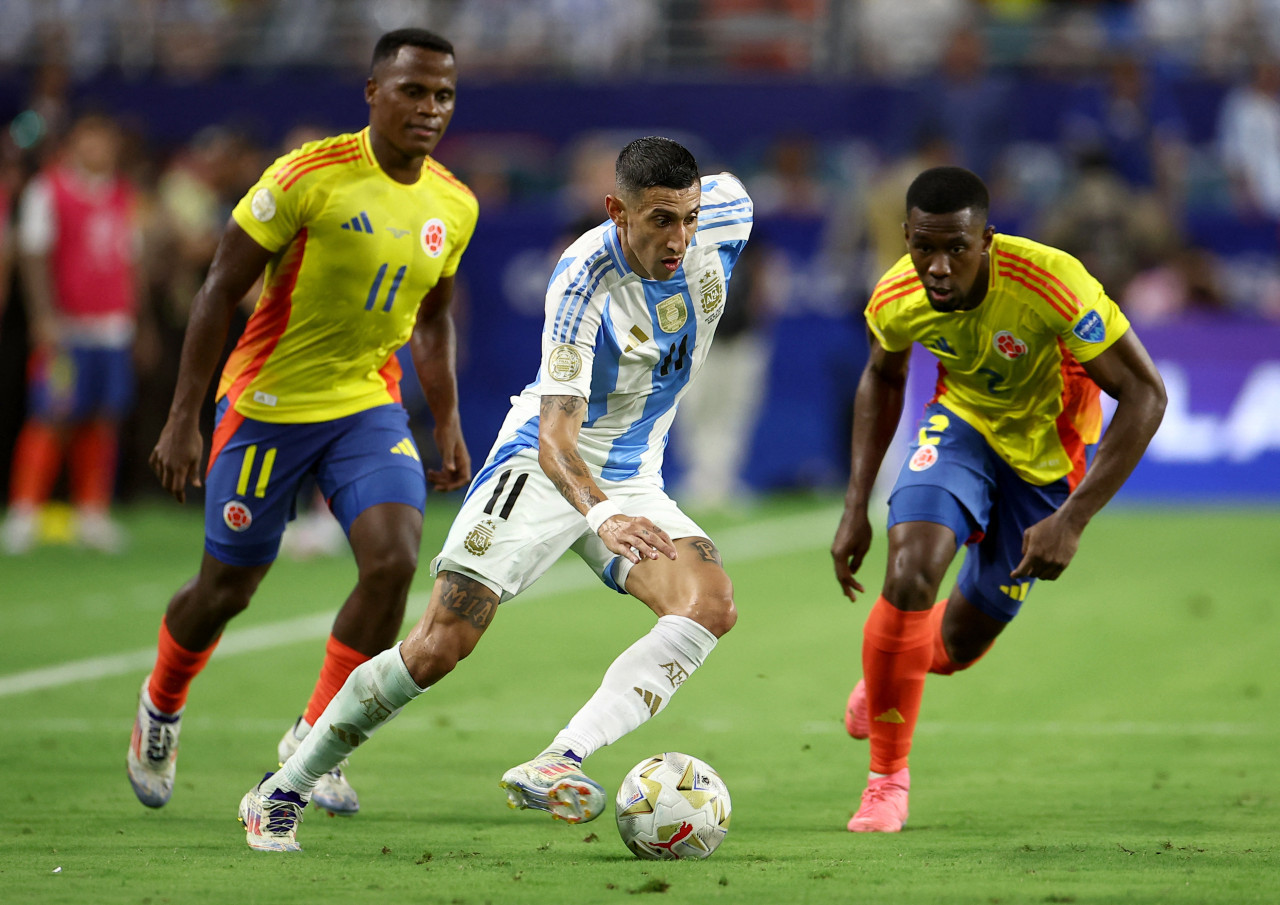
(1003, 461)
(360, 237)
(1134, 124)
(967, 102)
(1249, 140)
(1115, 228)
(79, 249)
(720, 410)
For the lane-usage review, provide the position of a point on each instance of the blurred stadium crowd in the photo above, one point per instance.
(1155, 156)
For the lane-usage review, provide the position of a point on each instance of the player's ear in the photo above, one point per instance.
(987, 235)
(616, 209)
(370, 89)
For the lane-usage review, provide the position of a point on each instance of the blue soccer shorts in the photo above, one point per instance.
(74, 383)
(251, 488)
(953, 477)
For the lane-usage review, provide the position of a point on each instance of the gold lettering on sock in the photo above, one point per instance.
(890, 716)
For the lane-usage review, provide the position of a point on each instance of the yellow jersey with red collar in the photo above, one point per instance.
(355, 252)
(1011, 366)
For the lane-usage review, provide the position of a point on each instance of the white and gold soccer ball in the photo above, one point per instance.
(672, 806)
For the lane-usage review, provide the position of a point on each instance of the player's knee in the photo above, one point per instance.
(430, 658)
(389, 572)
(909, 589)
(224, 594)
(711, 606)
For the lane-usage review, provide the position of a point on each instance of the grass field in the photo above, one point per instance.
(1120, 743)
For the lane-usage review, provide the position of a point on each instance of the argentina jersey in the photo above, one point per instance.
(628, 345)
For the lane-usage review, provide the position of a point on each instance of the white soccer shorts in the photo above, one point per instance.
(515, 524)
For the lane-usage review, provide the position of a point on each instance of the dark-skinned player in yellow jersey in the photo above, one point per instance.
(1003, 461)
(358, 238)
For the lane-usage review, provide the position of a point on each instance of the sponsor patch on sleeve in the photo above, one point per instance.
(1090, 328)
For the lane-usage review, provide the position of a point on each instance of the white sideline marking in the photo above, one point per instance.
(786, 534)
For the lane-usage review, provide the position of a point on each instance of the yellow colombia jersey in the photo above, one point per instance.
(355, 252)
(1011, 366)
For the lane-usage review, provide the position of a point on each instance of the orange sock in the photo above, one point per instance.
(175, 668)
(897, 647)
(339, 661)
(93, 464)
(37, 456)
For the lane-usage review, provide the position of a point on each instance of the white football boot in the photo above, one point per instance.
(332, 793)
(153, 751)
(557, 785)
(271, 818)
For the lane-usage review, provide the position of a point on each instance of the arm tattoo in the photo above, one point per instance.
(566, 405)
(571, 475)
(707, 551)
(573, 479)
(469, 599)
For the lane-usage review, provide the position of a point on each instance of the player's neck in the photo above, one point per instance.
(394, 162)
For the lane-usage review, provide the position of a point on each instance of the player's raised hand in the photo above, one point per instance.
(853, 540)
(176, 458)
(455, 464)
(1048, 547)
(636, 538)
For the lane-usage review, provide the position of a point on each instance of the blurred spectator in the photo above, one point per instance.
(1182, 282)
(967, 103)
(1249, 139)
(898, 40)
(78, 244)
(1138, 128)
(793, 181)
(1115, 229)
(720, 410)
(885, 210)
(762, 35)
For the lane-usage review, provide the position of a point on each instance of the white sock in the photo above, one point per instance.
(374, 693)
(637, 685)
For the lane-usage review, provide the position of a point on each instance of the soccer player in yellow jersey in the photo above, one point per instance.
(359, 237)
(1024, 338)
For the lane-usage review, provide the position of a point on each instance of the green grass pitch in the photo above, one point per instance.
(1118, 745)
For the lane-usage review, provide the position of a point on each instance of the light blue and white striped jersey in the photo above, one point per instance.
(628, 345)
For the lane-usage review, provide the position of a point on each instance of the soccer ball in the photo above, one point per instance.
(672, 806)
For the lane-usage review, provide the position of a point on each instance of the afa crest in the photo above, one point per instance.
(479, 538)
(711, 291)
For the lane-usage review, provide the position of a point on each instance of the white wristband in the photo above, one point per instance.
(600, 513)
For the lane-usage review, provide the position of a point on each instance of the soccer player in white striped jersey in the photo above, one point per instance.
(632, 307)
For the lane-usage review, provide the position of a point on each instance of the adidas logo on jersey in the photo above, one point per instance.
(405, 448)
(359, 223)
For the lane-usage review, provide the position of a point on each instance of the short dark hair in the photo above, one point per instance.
(945, 190)
(390, 43)
(654, 161)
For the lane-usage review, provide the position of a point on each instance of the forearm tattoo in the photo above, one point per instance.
(571, 475)
(468, 598)
(565, 405)
(707, 551)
